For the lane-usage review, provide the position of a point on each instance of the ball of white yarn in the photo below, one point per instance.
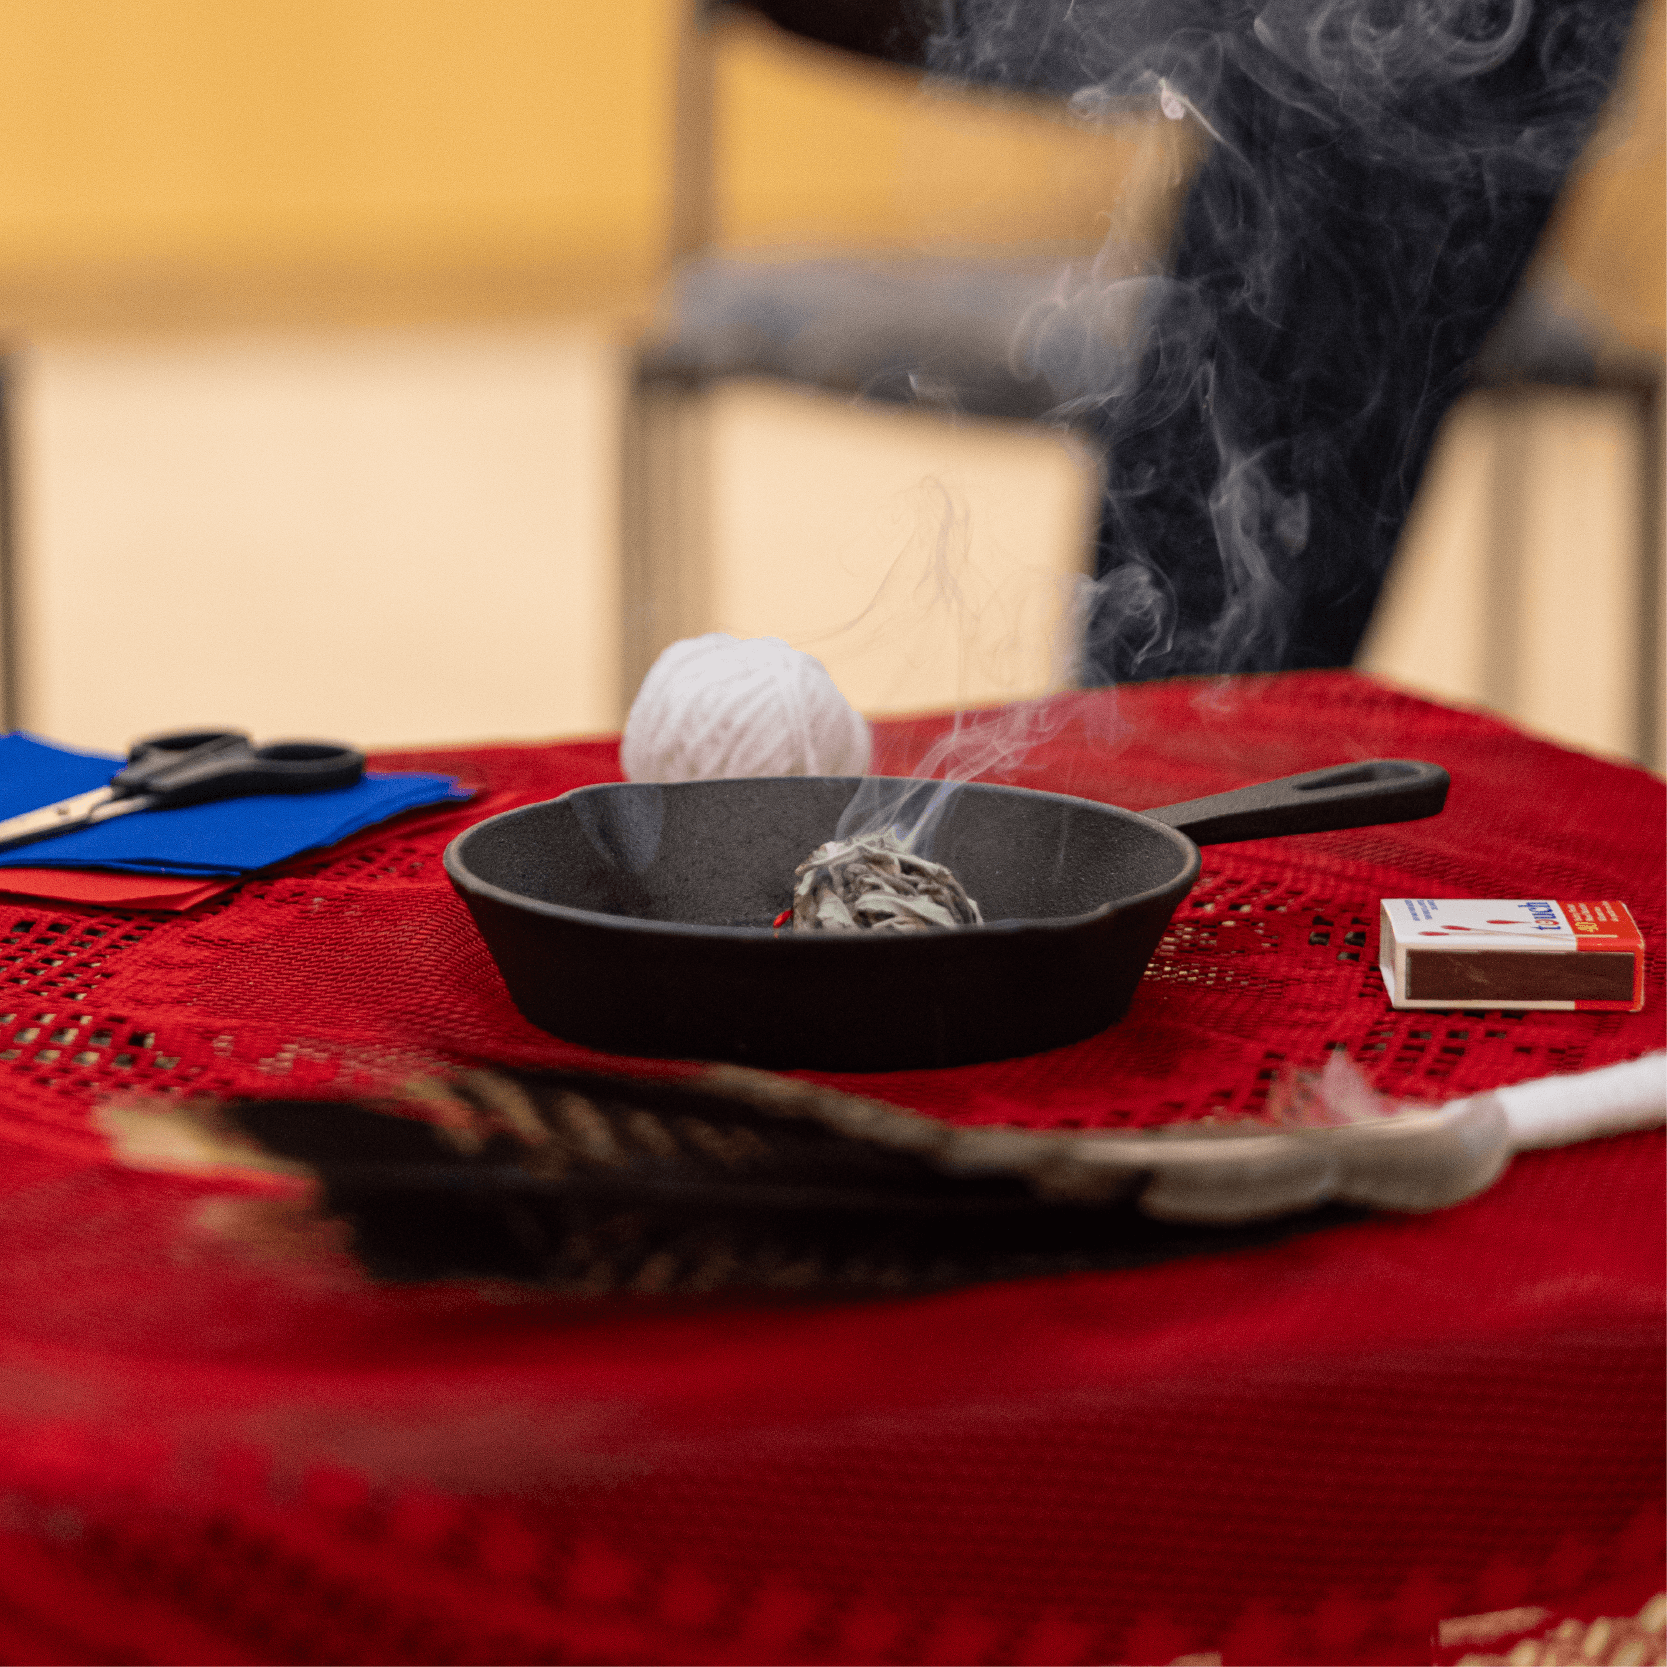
(722, 706)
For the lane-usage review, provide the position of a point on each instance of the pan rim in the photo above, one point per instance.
(466, 880)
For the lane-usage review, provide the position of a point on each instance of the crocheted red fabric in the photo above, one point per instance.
(1309, 1452)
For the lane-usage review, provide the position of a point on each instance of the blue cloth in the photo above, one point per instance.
(233, 836)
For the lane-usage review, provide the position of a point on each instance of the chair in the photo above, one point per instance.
(1345, 249)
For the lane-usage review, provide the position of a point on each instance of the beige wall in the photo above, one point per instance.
(386, 536)
(925, 561)
(1518, 584)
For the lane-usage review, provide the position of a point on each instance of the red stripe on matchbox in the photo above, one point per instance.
(1608, 927)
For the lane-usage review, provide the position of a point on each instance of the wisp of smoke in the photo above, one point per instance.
(984, 742)
(1378, 174)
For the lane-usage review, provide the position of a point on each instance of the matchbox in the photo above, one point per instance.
(1493, 952)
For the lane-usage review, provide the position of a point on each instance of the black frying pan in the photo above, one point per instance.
(635, 917)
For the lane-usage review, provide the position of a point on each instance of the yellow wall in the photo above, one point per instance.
(197, 161)
(156, 153)
(157, 142)
(1610, 232)
(815, 147)
(188, 160)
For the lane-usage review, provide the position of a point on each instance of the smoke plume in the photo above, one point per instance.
(1378, 175)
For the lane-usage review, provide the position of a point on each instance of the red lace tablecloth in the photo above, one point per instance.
(1306, 1452)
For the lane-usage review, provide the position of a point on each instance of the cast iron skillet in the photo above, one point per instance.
(635, 917)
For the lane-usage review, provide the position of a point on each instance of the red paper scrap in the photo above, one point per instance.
(172, 892)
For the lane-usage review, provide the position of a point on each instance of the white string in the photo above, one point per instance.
(718, 705)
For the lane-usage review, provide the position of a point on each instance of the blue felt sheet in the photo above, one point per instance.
(234, 836)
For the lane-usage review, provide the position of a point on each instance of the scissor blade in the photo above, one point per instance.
(64, 817)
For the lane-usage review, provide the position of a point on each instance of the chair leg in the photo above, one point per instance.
(665, 522)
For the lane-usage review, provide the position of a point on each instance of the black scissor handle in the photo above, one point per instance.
(156, 756)
(178, 741)
(195, 766)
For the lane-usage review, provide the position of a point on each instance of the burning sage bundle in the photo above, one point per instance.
(875, 883)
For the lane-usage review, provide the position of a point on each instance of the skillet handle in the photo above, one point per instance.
(1345, 796)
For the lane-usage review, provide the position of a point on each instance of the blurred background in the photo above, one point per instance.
(413, 370)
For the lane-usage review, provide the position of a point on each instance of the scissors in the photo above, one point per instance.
(191, 767)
